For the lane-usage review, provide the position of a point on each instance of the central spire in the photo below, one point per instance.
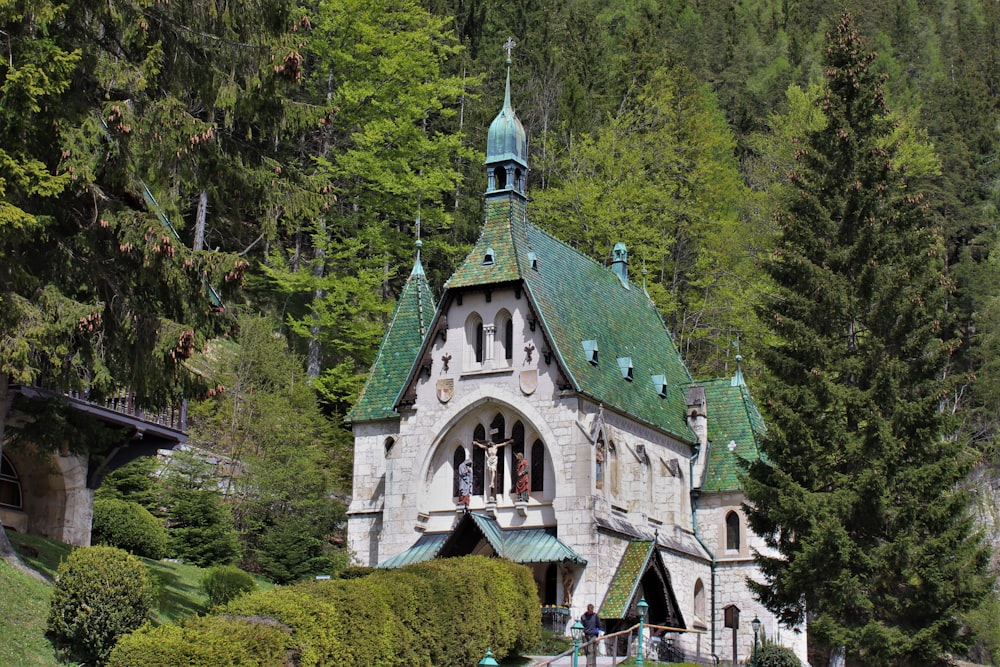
(506, 144)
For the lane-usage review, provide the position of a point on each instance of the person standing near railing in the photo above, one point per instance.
(592, 627)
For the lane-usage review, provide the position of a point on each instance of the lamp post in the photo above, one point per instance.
(577, 632)
(642, 607)
(755, 624)
(488, 660)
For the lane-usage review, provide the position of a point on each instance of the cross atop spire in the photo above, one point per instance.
(508, 46)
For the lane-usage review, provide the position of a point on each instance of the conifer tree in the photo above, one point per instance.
(858, 491)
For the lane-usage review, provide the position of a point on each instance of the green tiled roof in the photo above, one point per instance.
(623, 585)
(578, 299)
(732, 417)
(398, 351)
(504, 212)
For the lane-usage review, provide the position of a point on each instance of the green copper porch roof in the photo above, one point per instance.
(425, 548)
(623, 585)
(398, 351)
(519, 545)
(525, 545)
(733, 417)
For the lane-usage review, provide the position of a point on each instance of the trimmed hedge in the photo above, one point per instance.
(223, 583)
(128, 526)
(443, 612)
(101, 593)
(207, 640)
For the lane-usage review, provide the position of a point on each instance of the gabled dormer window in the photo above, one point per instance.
(489, 257)
(625, 364)
(590, 349)
(660, 385)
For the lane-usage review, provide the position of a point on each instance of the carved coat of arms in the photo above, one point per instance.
(529, 381)
(445, 389)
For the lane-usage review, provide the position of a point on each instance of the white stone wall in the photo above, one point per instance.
(733, 568)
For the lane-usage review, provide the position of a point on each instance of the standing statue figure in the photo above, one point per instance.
(492, 457)
(523, 483)
(465, 481)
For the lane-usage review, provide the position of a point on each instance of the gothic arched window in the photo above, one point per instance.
(10, 485)
(478, 461)
(732, 532)
(537, 466)
(498, 430)
(456, 460)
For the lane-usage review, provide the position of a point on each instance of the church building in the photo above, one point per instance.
(540, 412)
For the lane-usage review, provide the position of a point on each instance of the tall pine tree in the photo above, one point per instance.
(858, 491)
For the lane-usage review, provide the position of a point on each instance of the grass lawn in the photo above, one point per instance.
(24, 608)
(24, 601)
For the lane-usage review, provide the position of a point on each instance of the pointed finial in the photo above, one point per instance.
(738, 380)
(508, 46)
(418, 244)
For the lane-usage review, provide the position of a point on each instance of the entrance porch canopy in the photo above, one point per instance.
(481, 534)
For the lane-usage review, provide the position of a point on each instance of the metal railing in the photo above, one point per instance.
(566, 657)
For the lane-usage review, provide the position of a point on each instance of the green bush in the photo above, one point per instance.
(206, 640)
(223, 583)
(128, 526)
(201, 528)
(320, 629)
(443, 612)
(775, 655)
(100, 594)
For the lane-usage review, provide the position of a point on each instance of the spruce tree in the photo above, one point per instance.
(858, 489)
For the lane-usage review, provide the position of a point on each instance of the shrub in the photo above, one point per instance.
(206, 641)
(101, 593)
(775, 655)
(201, 528)
(128, 526)
(320, 629)
(223, 583)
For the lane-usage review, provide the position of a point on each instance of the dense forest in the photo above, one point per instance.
(179, 181)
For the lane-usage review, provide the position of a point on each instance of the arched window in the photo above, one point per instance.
(498, 430)
(10, 485)
(505, 333)
(732, 532)
(600, 462)
(699, 600)
(508, 340)
(517, 435)
(537, 466)
(389, 444)
(456, 460)
(613, 467)
(474, 340)
(499, 178)
(478, 461)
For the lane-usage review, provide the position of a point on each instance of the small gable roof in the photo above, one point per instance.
(735, 426)
(398, 351)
